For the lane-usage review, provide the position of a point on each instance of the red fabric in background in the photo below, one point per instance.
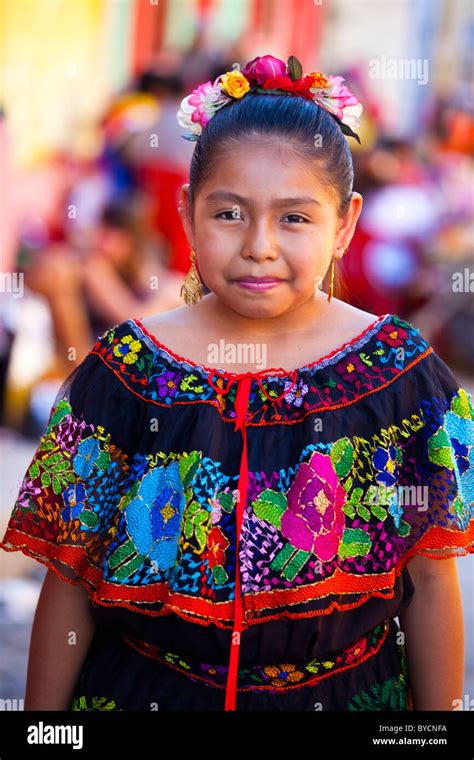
(163, 184)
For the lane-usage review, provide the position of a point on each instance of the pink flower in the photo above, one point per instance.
(197, 109)
(263, 67)
(314, 519)
(338, 99)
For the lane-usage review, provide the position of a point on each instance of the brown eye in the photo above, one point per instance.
(296, 216)
(233, 215)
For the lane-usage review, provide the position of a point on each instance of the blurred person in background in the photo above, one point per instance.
(118, 275)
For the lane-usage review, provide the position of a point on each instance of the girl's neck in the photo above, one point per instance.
(297, 320)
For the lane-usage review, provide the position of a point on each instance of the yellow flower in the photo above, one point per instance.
(235, 84)
(127, 349)
(319, 80)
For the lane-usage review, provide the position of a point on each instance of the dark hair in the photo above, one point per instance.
(294, 118)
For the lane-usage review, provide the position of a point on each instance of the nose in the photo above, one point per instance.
(260, 242)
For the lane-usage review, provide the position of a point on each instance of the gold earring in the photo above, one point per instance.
(191, 289)
(331, 286)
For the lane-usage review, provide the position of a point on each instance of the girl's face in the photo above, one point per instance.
(263, 211)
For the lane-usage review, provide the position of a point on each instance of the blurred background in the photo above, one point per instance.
(92, 163)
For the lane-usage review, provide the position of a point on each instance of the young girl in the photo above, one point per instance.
(244, 493)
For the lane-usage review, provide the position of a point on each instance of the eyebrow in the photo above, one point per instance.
(218, 195)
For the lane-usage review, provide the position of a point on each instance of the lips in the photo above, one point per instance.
(259, 279)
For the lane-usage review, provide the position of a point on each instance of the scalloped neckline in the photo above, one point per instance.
(366, 333)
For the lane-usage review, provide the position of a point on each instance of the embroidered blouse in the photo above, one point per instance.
(228, 500)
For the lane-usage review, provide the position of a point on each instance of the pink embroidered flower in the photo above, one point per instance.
(394, 336)
(263, 67)
(351, 368)
(314, 518)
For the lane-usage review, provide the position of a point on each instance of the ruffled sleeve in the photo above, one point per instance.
(67, 506)
(433, 509)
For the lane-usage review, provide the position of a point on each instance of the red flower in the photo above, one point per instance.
(392, 335)
(300, 86)
(217, 543)
(356, 650)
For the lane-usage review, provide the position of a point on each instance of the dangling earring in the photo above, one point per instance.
(192, 289)
(331, 286)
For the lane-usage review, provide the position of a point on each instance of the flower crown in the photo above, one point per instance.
(268, 75)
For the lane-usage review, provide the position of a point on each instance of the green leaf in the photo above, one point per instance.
(126, 550)
(379, 512)
(188, 467)
(227, 501)
(296, 563)
(129, 568)
(295, 69)
(270, 507)
(34, 470)
(348, 131)
(103, 460)
(89, 518)
(439, 449)
(462, 406)
(349, 509)
(355, 542)
(342, 456)
(363, 512)
(404, 528)
(219, 574)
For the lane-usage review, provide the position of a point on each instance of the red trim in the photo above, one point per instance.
(329, 407)
(236, 375)
(150, 651)
(75, 557)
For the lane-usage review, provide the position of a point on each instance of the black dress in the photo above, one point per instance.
(328, 479)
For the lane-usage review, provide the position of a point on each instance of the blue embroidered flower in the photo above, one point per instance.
(74, 497)
(154, 516)
(385, 463)
(168, 384)
(460, 432)
(87, 455)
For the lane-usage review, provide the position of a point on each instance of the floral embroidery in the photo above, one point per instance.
(391, 694)
(314, 520)
(281, 673)
(351, 368)
(97, 703)
(385, 462)
(332, 512)
(276, 677)
(452, 447)
(394, 336)
(295, 396)
(365, 365)
(168, 384)
(127, 349)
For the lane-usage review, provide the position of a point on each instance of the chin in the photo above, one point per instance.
(257, 310)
